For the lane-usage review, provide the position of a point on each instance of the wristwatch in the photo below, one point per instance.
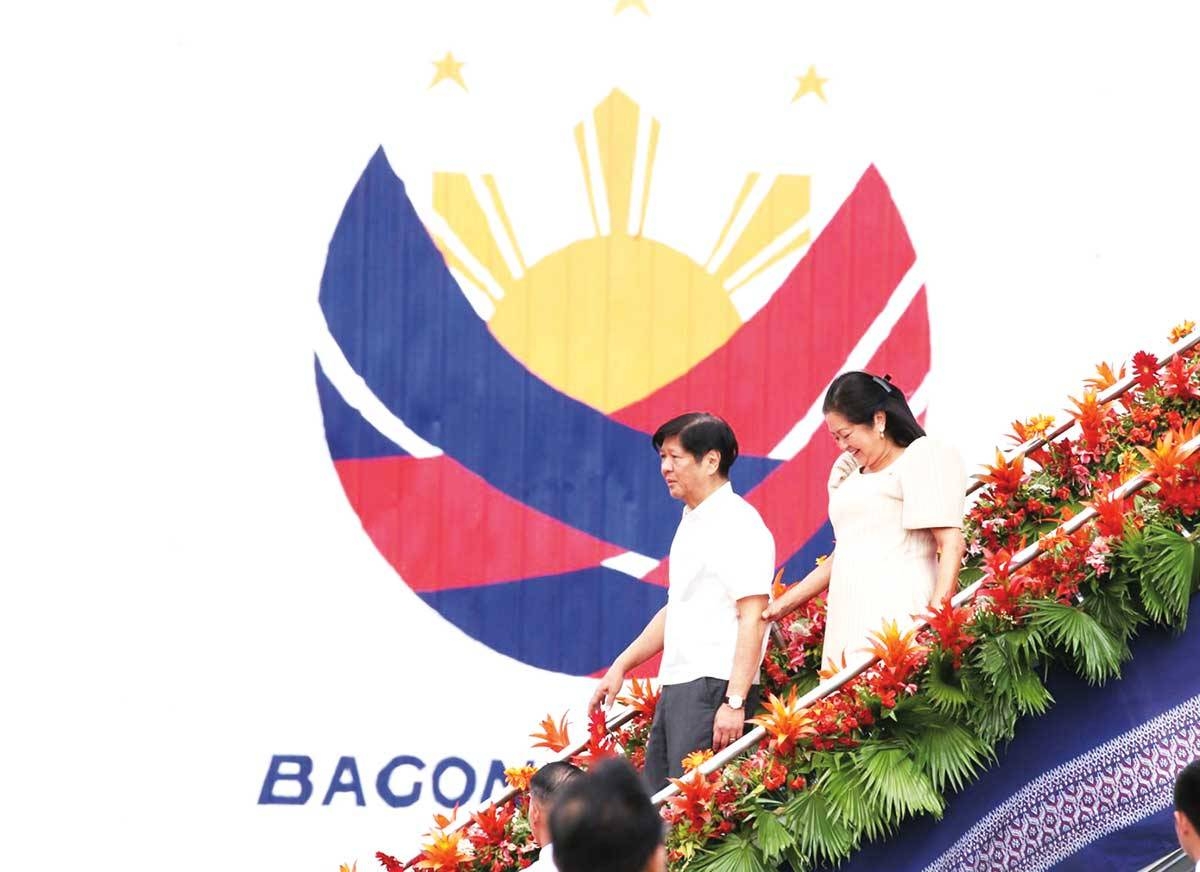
(734, 701)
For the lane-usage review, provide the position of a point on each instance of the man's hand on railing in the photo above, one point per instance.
(727, 727)
(608, 688)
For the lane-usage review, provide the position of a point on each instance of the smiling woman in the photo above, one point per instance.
(896, 505)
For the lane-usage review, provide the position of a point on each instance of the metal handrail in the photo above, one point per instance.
(856, 668)
(1106, 396)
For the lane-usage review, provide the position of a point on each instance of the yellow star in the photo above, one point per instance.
(448, 68)
(622, 5)
(810, 83)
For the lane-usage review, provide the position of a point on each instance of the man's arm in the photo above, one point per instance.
(648, 643)
(747, 656)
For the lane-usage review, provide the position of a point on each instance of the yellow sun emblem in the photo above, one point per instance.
(627, 313)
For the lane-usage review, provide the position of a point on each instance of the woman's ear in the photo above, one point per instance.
(880, 420)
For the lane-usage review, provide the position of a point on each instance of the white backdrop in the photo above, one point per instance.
(187, 591)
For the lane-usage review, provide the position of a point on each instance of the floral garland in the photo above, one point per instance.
(926, 716)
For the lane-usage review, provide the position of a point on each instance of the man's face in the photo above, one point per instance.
(687, 479)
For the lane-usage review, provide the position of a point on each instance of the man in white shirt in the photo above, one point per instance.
(545, 788)
(1187, 811)
(710, 632)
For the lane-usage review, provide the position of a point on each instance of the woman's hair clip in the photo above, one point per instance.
(884, 382)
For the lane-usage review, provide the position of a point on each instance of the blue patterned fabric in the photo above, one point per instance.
(1087, 786)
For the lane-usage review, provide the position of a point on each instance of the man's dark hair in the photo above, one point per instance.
(604, 822)
(550, 778)
(700, 433)
(1187, 793)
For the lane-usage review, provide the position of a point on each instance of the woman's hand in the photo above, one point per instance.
(800, 593)
(786, 604)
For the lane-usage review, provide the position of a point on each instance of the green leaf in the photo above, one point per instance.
(948, 753)
(1110, 603)
(1030, 695)
(896, 783)
(773, 837)
(820, 833)
(994, 718)
(843, 785)
(1093, 651)
(736, 853)
(1170, 568)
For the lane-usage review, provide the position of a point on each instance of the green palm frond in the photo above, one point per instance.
(1093, 651)
(1170, 570)
(1030, 695)
(993, 718)
(948, 753)
(736, 853)
(772, 836)
(894, 782)
(843, 785)
(1110, 602)
(821, 835)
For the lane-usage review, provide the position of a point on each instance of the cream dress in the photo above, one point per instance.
(885, 558)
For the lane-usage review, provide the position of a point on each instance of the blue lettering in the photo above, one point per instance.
(276, 774)
(346, 765)
(468, 788)
(495, 774)
(384, 787)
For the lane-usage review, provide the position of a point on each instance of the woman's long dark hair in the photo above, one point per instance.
(857, 396)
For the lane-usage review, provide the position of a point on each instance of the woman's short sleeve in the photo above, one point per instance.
(933, 486)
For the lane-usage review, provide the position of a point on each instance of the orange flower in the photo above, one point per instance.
(1005, 477)
(493, 821)
(1180, 330)
(696, 759)
(440, 821)
(899, 652)
(1035, 427)
(778, 586)
(786, 722)
(831, 667)
(643, 698)
(346, 868)
(694, 799)
(553, 737)
(444, 853)
(1168, 453)
(1092, 415)
(518, 776)
(1107, 378)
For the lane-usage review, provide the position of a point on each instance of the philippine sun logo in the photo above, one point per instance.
(489, 414)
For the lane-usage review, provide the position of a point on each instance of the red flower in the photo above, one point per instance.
(391, 864)
(1178, 380)
(1005, 477)
(600, 742)
(775, 776)
(1110, 514)
(1145, 366)
(947, 624)
(693, 803)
